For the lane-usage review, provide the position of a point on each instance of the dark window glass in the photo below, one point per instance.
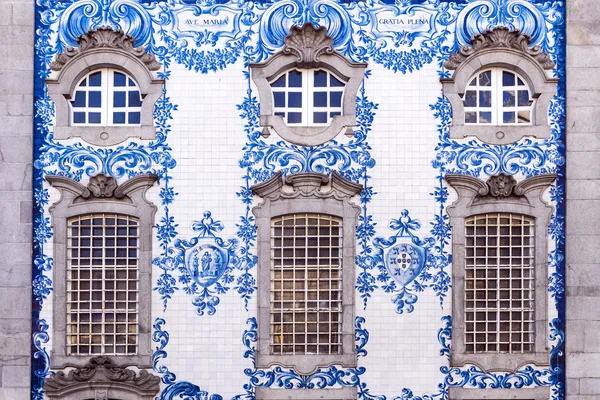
(295, 79)
(279, 98)
(119, 118)
(119, 99)
(508, 98)
(320, 79)
(485, 117)
(333, 114)
(471, 98)
(335, 99)
(134, 118)
(523, 98)
(120, 79)
(485, 98)
(320, 99)
(95, 79)
(79, 99)
(294, 118)
(279, 82)
(79, 118)
(508, 79)
(94, 117)
(295, 100)
(320, 117)
(508, 117)
(95, 99)
(134, 98)
(335, 82)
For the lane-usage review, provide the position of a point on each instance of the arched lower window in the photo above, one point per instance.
(106, 97)
(307, 97)
(498, 97)
(102, 284)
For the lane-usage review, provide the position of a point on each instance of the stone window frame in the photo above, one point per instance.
(500, 193)
(528, 393)
(102, 195)
(104, 48)
(509, 50)
(300, 193)
(308, 47)
(269, 393)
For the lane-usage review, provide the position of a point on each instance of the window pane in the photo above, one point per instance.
(95, 79)
(485, 98)
(134, 98)
(79, 118)
(320, 117)
(508, 98)
(508, 117)
(485, 117)
(471, 98)
(335, 99)
(118, 118)
(295, 118)
(295, 99)
(523, 98)
(320, 99)
(295, 79)
(79, 99)
(508, 78)
(320, 79)
(279, 82)
(120, 79)
(95, 99)
(119, 99)
(335, 82)
(485, 79)
(134, 118)
(94, 117)
(335, 113)
(470, 117)
(279, 99)
(524, 116)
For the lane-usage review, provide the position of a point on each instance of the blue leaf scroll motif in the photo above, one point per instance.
(205, 263)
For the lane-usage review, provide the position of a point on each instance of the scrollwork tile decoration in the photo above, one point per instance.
(252, 32)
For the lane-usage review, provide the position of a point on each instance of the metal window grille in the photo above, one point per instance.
(307, 97)
(499, 283)
(102, 284)
(106, 97)
(306, 284)
(497, 97)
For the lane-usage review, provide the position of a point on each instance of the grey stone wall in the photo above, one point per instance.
(16, 128)
(583, 200)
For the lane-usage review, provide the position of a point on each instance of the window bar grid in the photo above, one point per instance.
(499, 283)
(306, 254)
(102, 284)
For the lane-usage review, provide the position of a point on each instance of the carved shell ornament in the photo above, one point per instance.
(307, 43)
(501, 185)
(102, 185)
(105, 37)
(500, 37)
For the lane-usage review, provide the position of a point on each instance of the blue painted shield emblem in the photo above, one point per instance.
(405, 262)
(206, 263)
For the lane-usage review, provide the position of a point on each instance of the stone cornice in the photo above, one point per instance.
(500, 38)
(307, 184)
(105, 38)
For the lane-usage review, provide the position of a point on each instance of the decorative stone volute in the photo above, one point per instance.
(102, 186)
(307, 43)
(307, 184)
(105, 38)
(500, 37)
(102, 377)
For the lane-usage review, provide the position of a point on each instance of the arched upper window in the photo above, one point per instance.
(307, 97)
(499, 91)
(307, 90)
(498, 97)
(106, 97)
(104, 90)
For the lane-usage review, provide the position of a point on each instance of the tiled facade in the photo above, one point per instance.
(209, 155)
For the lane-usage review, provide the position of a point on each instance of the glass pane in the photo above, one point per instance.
(119, 79)
(320, 99)
(79, 118)
(279, 82)
(95, 99)
(294, 118)
(485, 98)
(94, 118)
(520, 82)
(295, 79)
(320, 79)
(508, 98)
(95, 79)
(335, 82)
(320, 117)
(473, 82)
(119, 99)
(471, 117)
(134, 98)
(508, 117)
(335, 99)
(508, 79)
(471, 98)
(485, 117)
(485, 79)
(279, 99)
(134, 118)
(295, 99)
(79, 99)
(131, 82)
(523, 98)
(119, 118)
(280, 114)
(524, 117)
(333, 114)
